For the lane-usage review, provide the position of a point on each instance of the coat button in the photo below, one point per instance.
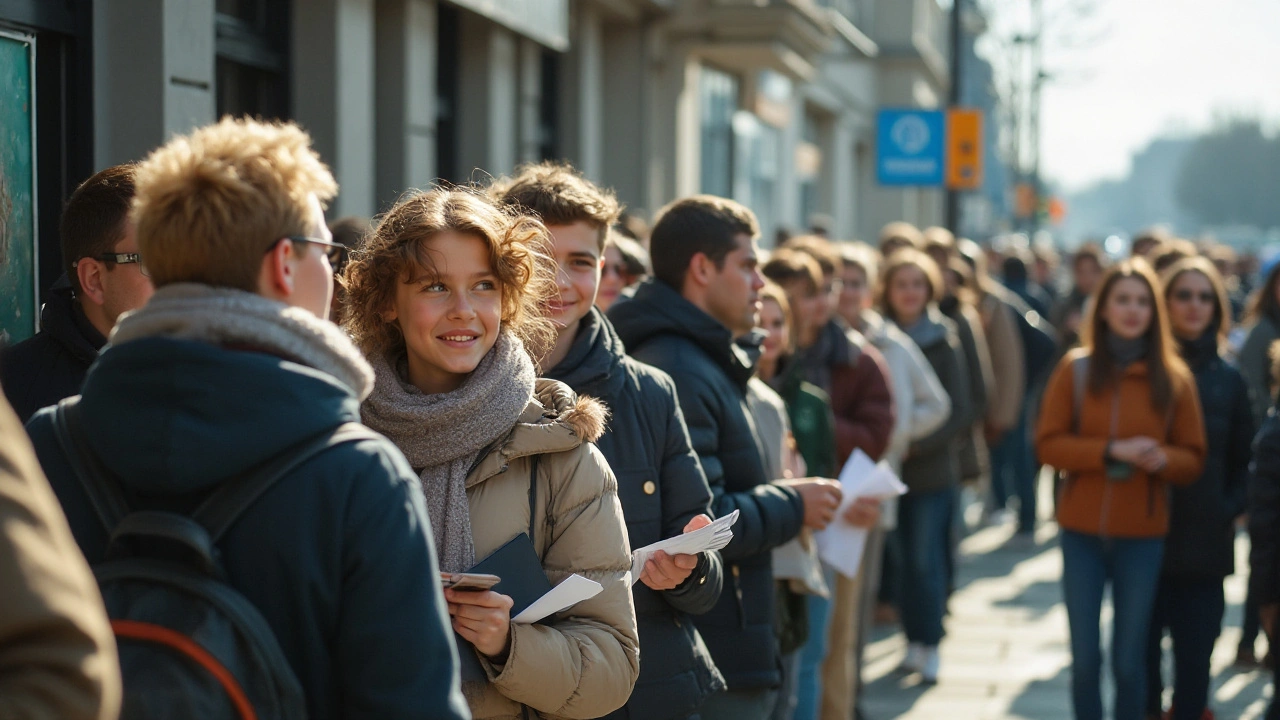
(650, 488)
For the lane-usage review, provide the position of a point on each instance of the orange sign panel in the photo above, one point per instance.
(964, 149)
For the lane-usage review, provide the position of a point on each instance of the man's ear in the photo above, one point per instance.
(702, 270)
(89, 272)
(278, 274)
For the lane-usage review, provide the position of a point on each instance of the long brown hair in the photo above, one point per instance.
(1221, 307)
(1264, 302)
(1162, 353)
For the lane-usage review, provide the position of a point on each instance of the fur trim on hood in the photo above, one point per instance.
(586, 416)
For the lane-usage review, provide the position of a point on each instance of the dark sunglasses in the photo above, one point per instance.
(336, 252)
(1207, 298)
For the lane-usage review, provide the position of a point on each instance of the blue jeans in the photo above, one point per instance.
(809, 677)
(1014, 473)
(1192, 611)
(924, 523)
(1133, 567)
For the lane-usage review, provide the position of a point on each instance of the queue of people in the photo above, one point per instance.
(526, 383)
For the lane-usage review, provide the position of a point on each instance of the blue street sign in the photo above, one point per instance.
(910, 146)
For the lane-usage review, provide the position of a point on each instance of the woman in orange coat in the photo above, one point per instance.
(1121, 417)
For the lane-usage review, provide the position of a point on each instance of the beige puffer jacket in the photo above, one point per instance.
(584, 662)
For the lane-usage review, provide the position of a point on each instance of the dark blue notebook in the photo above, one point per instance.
(522, 580)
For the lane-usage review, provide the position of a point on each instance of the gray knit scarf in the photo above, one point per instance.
(443, 434)
(223, 316)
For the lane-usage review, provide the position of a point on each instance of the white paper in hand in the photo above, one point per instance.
(705, 539)
(841, 545)
(573, 590)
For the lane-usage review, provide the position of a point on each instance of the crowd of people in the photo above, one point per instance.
(272, 440)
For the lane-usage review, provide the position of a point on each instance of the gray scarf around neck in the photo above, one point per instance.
(1126, 351)
(224, 316)
(443, 434)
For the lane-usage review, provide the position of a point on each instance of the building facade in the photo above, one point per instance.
(771, 102)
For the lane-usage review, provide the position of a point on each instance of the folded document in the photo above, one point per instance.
(712, 537)
(841, 545)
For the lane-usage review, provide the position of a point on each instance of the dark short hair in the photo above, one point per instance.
(700, 224)
(822, 250)
(93, 220)
(559, 195)
(787, 266)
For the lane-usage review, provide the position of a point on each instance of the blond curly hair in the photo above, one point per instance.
(396, 251)
(209, 204)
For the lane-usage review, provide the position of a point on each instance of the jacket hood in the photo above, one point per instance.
(657, 309)
(63, 320)
(172, 417)
(593, 365)
(556, 420)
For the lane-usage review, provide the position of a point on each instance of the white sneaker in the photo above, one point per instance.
(929, 665)
(914, 661)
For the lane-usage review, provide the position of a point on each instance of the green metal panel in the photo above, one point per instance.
(17, 188)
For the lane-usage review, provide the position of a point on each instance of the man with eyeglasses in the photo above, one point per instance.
(232, 366)
(104, 278)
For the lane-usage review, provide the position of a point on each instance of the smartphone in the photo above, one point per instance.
(468, 581)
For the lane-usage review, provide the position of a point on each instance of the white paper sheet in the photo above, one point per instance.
(712, 537)
(841, 545)
(573, 590)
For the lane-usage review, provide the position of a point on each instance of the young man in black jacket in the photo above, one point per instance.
(103, 278)
(232, 364)
(705, 293)
(660, 482)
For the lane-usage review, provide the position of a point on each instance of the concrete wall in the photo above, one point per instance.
(405, 96)
(153, 69)
(334, 93)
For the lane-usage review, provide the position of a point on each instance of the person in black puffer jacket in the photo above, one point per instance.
(705, 246)
(103, 277)
(661, 486)
(1200, 548)
(1264, 530)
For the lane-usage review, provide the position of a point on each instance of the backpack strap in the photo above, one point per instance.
(100, 485)
(1079, 369)
(533, 497)
(221, 509)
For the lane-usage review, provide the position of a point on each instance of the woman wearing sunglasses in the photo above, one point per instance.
(1199, 551)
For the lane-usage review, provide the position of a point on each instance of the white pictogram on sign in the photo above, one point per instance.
(910, 134)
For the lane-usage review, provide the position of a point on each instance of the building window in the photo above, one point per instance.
(719, 94)
(251, 72)
(756, 174)
(808, 165)
(549, 106)
(448, 61)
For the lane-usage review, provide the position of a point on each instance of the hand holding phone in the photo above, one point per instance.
(468, 581)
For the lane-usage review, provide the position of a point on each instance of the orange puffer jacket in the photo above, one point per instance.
(1090, 502)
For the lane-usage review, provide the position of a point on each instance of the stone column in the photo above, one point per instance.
(333, 93)
(153, 74)
(406, 96)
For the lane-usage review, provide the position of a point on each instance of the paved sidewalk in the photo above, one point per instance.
(1006, 653)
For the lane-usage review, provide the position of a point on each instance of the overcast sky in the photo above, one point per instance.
(1159, 67)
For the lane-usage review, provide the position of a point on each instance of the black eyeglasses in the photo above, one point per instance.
(336, 252)
(1207, 298)
(120, 259)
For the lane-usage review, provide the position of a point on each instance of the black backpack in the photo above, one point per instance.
(190, 645)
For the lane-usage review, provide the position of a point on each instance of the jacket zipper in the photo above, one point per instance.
(1106, 488)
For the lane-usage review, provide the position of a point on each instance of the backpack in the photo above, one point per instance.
(190, 645)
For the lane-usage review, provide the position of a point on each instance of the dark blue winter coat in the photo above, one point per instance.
(661, 487)
(336, 555)
(661, 328)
